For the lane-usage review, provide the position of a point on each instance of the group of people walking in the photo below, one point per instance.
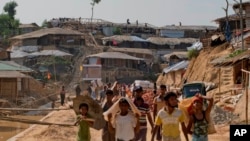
(164, 119)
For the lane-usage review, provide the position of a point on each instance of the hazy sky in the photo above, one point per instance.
(156, 12)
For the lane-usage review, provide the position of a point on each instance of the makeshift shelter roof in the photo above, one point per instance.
(12, 74)
(181, 55)
(227, 61)
(28, 25)
(122, 38)
(170, 41)
(237, 5)
(47, 31)
(133, 50)
(18, 54)
(50, 53)
(231, 17)
(140, 25)
(114, 55)
(12, 66)
(188, 27)
(176, 67)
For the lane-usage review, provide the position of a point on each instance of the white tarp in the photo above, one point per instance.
(196, 46)
(18, 54)
(143, 83)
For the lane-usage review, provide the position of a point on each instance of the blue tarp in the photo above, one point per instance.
(175, 67)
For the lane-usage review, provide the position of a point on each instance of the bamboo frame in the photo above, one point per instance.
(246, 89)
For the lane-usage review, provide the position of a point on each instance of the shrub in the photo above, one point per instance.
(117, 31)
(193, 53)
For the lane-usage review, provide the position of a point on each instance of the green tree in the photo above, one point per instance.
(8, 23)
(45, 23)
(10, 8)
(8, 26)
(92, 8)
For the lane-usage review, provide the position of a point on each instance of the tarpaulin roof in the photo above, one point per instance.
(18, 54)
(114, 55)
(122, 38)
(170, 41)
(176, 67)
(50, 52)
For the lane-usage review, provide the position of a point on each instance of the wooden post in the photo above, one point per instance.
(246, 88)
(219, 79)
(16, 90)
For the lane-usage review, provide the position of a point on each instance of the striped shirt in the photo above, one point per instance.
(144, 109)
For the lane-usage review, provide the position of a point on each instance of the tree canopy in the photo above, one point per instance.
(8, 23)
(10, 9)
(93, 4)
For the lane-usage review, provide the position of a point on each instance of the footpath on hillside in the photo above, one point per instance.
(68, 133)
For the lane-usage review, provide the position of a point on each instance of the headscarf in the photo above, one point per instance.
(191, 108)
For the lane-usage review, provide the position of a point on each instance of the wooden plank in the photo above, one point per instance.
(23, 109)
(245, 71)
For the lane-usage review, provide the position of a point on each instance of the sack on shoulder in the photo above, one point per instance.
(211, 126)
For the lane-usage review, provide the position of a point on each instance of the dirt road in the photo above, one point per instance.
(61, 133)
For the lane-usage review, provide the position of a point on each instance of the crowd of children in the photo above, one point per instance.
(164, 118)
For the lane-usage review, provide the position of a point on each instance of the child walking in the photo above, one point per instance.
(199, 118)
(84, 122)
(125, 124)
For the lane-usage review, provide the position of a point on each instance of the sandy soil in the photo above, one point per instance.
(62, 133)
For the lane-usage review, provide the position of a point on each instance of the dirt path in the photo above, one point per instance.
(56, 133)
(60, 133)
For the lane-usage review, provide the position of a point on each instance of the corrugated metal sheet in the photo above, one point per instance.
(176, 67)
(172, 33)
(12, 66)
(114, 55)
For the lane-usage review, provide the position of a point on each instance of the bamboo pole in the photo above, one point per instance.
(245, 71)
(32, 121)
(23, 109)
(219, 79)
(246, 87)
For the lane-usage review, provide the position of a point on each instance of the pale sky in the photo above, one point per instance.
(156, 12)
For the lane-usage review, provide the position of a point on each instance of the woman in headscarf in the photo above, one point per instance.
(199, 117)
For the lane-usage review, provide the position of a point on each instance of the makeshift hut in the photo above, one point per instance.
(176, 57)
(50, 36)
(173, 75)
(230, 66)
(116, 65)
(13, 80)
